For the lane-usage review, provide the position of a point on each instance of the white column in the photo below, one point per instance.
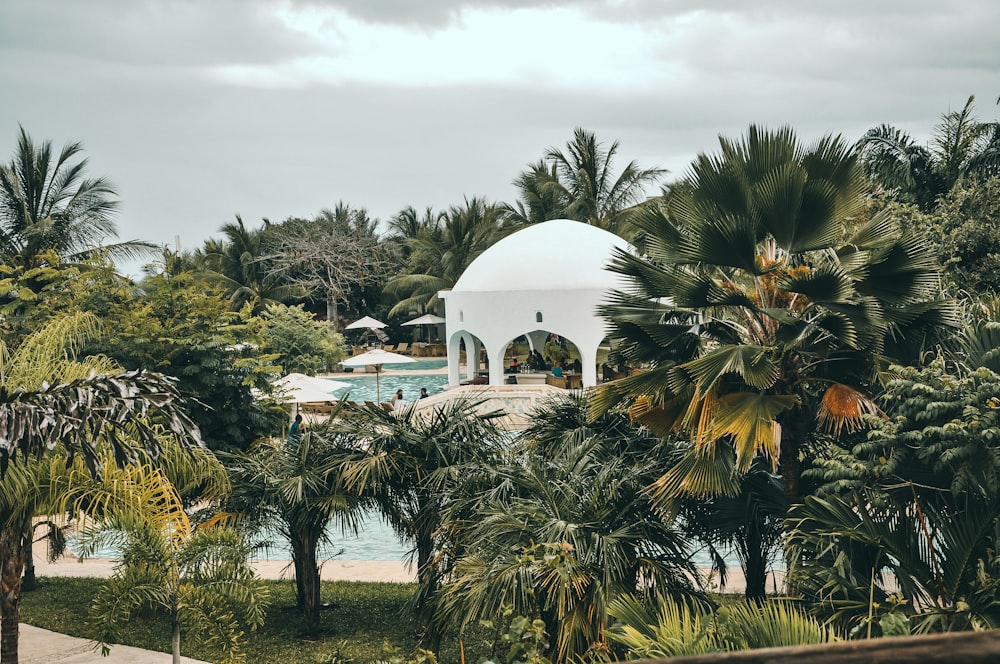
(454, 356)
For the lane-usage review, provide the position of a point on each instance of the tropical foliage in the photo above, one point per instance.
(762, 324)
(47, 201)
(567, 528)
(580, 183)
(294, 488)
(960, 146)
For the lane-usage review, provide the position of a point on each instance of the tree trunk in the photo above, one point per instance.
(331, 311)
(12, 561)
(29, 581)
(300, 593)
(756, 563)
(175, 642)
(310, 584)
(427, 578)
(793, 432)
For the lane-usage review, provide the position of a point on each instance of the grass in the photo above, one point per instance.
(360, 621)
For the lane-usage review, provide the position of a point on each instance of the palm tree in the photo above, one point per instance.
(567, 528)
(198, 577)
(539, 200)
(49, 399)
(960, 146)
(675, 630)
(48, 202)
(242, 265)
(412, 464)
(441, 253)
(761, 326)
(296, 489)
(580, 184)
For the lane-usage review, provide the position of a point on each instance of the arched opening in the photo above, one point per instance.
(541, 356)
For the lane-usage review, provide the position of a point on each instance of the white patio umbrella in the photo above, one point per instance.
(376, 358)
(299, 388)
(426, 319)
(366, 323)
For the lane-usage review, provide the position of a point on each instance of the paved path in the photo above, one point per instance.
(40, 646)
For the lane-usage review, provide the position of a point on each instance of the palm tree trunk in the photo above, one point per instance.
(11, 558)
(755, 563)
(175, 642)
(300, 593)
(29, 582)
(310, 583)
(793, 432)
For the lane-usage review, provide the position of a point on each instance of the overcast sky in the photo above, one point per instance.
(199, 110)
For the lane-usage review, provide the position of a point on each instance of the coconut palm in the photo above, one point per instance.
(761, 325)
(441, 253)
(242, 264)
(579, 183)
(538, 200)
(567, 528)
(960, 146)
(49, 399)
(295, 489)
(48, 202)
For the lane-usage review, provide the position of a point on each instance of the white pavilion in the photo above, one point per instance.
(547, 278)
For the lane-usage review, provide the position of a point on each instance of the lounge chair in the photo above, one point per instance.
(388, 347)
(403, 348)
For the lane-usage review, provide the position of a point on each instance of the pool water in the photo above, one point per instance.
(363, 387)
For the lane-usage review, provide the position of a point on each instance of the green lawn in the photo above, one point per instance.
(360, 621)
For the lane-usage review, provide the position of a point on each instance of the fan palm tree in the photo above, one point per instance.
(296, 490)
(960, 146)
(241, 264)
(441, 253)
(567, 528)
(49, 399)
(579, 183)
(760, 324)
(48, 202)
(412, 464)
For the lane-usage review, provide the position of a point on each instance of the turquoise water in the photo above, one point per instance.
(363, 387)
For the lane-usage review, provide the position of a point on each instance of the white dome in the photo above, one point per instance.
(553, 255)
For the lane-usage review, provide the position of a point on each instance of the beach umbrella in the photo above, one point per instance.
(299, 388)
(366, 323)
(376, 358)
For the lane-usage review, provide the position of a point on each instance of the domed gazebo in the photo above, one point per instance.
(546, 278)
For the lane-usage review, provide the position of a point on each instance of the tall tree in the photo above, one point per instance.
(48, 399)
(296, 489)
(441, 254)
(580, 183)
(48, 202)
(410, 463)
(335, 255)
(242, 263)
(762, 327)
(960, 145)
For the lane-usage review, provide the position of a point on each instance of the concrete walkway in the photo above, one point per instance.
(40, 646)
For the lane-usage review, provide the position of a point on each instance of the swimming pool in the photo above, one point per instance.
(363, 387)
